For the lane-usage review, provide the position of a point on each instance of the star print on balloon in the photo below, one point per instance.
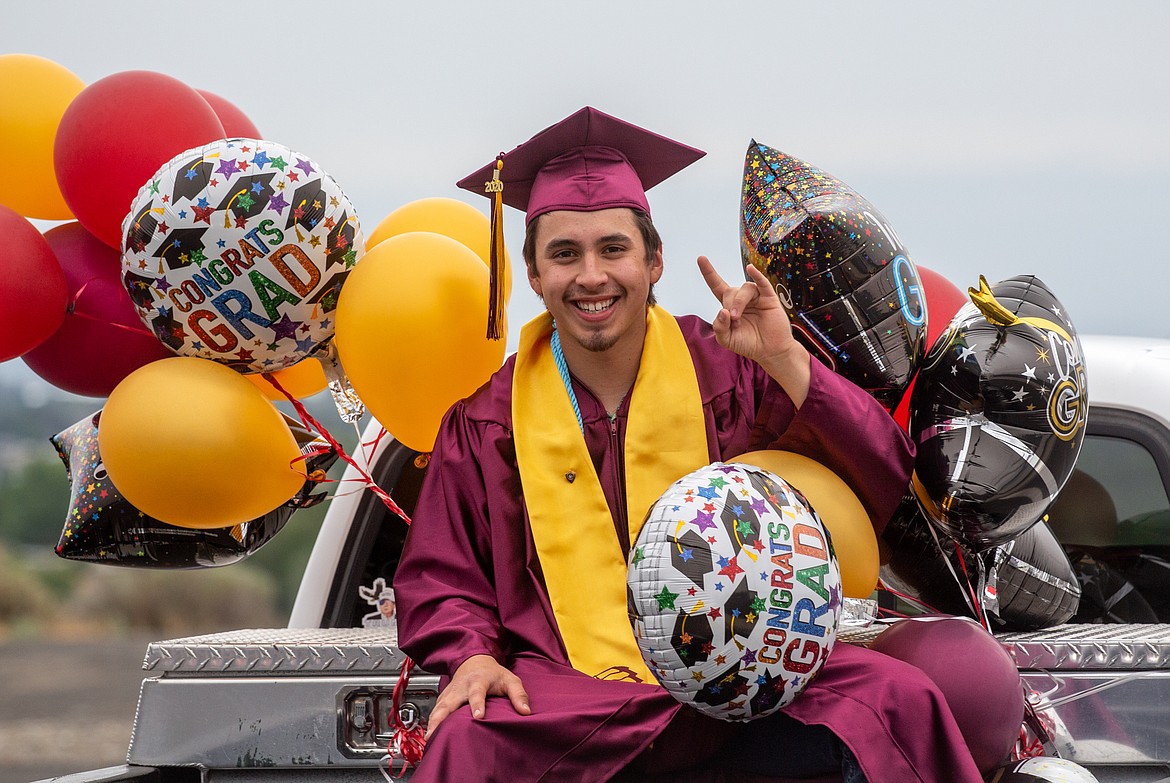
(101, 526)
(842, 273)
(998, 413)
(236, 251)
(736, 609)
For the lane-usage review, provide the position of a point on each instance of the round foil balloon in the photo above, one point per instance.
(1046, 769)
(998, 413)
(236, 251)
(734, 592)
(844, 277)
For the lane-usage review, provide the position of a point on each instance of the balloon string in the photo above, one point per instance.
(309, 421)
(908, 599)
(950, 567)
(977, 604)
(71, 310)
(405, 743)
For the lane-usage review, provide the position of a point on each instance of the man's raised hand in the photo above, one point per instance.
(753, 323)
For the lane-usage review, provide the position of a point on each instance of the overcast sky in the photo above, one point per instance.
(997, 139)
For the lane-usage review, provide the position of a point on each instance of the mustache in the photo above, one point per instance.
(577, 292)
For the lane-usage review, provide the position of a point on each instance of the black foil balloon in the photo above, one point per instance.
(103, 527)
(998, 413)
(848, 284)
(1030, 583)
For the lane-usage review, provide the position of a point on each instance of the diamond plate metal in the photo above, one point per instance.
(1089, 647)
(278, 650)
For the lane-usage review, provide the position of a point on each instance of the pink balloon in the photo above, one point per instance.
(102, 339)
(32, 287)
(975, 674)
(116, 134)
(235, 123)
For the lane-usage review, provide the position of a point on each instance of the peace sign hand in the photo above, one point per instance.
(752, 322)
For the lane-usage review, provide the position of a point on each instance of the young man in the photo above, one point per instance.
(512, 581)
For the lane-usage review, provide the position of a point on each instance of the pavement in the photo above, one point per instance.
(67, 705)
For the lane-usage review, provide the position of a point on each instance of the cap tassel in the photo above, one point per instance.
(495, 188)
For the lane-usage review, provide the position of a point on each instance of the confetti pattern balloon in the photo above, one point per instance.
(236, 251)
(734, 592)
(844, 277)
(998, 413)
(103, 527)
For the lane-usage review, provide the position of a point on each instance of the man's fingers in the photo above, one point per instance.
(713, 279)
(518, 697)
(476, 696)
(440, 711)
(767, 291)
(743, 297)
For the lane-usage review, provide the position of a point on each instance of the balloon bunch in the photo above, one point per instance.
(996, 406)
(76, 151)
(103, 527)
(410, 318)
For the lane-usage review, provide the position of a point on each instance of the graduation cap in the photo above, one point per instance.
(141, 230)
(169, 331)
(140, 288)
(249, 195)
(587, 162)
(192, 178)
(340, 242)
(308, 206)
(181, 247)
(327, 293)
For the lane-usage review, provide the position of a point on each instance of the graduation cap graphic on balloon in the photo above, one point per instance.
(307, 207)
(846, 280)
(182, 247)
(248, 196)
(191, 178)
(169, 331)
(724, 687)
(327, 293)
(140, 230)
(339, 245)
(693, 636)
(690, 554)
(740, 521)
(141, 289)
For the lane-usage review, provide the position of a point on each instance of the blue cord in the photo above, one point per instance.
(563, 369)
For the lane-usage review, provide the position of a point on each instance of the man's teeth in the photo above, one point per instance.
(596, 307)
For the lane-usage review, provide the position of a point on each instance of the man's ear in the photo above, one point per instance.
(534, 282)
(656, 267)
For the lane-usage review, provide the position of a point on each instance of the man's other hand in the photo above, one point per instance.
(753, 323)
(477, 678)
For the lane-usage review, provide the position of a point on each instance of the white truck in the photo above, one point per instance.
(312, 701)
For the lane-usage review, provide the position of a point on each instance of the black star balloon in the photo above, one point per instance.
(998, 413)
(848, 284)
(101, 526)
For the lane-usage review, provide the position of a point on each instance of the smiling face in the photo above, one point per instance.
(592, 271)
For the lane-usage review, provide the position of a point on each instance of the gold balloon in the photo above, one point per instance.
(303, 379)
(411, 332)
(854, 539)
(450, 218)
(34, 93)
(191, 442)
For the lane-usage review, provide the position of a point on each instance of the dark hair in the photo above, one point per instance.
(650, 238)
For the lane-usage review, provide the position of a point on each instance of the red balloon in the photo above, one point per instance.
(943, 300)
(116, 134)
(235, 123)
(32, 287)
(102, 339)
(975, 674)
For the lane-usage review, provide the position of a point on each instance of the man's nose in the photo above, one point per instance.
(592, 273)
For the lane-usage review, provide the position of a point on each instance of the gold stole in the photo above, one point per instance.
(666, 439)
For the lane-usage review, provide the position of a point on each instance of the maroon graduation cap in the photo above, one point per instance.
(587, 162)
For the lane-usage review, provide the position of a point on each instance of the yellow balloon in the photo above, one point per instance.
(854, 539)
(411, 327)
(450, 218)
(303, 379)
(34, 93)
(193, 443)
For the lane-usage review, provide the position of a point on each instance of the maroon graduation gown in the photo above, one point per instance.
(469, 582)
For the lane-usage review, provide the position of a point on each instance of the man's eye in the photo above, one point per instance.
(614, 249)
